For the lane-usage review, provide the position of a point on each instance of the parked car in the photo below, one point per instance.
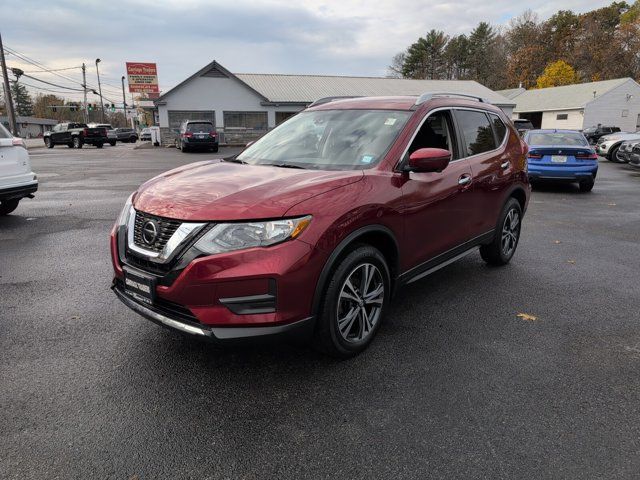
(17, 181)
(145, 135)
(561, 156)
(111, 133)
(634, 156)
(593, 134)
(197, 135)
(522, 125)
(126, 135)
(624, 152)
(310, 229)
(609, 144)
(75, 135)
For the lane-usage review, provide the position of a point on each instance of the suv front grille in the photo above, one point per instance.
(165, 229)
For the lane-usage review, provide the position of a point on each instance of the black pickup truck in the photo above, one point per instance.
(75, 135)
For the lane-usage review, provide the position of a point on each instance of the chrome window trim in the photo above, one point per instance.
(451, 109)
(184, 232)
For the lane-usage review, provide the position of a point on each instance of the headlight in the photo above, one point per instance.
(227, 237)
(123, 218)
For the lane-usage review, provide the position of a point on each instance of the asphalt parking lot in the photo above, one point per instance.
(526, 371)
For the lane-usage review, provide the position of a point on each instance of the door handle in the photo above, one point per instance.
(464, 179)
(505, 165)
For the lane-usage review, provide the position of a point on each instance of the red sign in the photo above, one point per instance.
(142, 77)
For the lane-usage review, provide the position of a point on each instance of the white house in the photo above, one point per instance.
(609, 102)
(245, 105)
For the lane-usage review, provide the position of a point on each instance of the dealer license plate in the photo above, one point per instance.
(139, 286)
(559, 158)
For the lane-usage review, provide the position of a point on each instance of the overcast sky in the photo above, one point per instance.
(344, 37)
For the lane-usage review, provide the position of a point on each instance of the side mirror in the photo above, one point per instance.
(429, 160)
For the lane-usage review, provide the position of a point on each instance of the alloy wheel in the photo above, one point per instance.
(510, 232)
(360, 303)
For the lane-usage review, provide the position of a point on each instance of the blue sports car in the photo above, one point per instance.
(561, 155)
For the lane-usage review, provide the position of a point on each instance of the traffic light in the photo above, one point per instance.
(113, 107)
(90, 107)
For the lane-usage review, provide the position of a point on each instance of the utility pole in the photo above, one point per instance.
(124, 101)
(84, 87)
(100, 89)
(7, 93)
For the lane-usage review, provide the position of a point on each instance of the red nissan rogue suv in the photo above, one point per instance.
(310, 230)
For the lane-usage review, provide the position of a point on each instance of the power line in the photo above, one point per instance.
(52, 70)
(53, 84)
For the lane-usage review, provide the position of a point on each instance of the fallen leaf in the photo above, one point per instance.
(527, 317)
(611, 204)
(572, 262)
(557, 242)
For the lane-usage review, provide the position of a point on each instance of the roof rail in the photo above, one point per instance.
(324, 100)
(425, 97)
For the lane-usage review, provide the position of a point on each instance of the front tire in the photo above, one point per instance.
(99, 145)
(503, 246)
(77, 142)
(48, 143)
(613, 155)
(354, 303)
(8, 206)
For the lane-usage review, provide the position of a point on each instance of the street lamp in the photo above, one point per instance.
(100, 88)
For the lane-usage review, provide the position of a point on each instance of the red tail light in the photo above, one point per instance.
(187, 135)
(85, 132)
(534, 155)
(213, 134)
(586, 156)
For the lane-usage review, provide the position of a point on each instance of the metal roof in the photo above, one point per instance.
(511, 92)
(308, 88)
(31, 120)
(305, 89)
(569, 97)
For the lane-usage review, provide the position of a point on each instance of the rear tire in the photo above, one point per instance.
(215, 149)
(99, 145)
(586, 185)
(77, 142)
(70, 145)
(112, 143)
(353, 304)
(507, 235)
(48, 143)
(8, 206)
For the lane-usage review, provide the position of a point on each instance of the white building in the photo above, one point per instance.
(576, 107)
(245, 105)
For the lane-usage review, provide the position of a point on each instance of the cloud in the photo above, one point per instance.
(349, 37)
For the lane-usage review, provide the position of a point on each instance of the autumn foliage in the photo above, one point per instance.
(566, 48)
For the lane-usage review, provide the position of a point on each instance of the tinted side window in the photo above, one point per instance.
(476, 131)
(436, 132)
(499, 127)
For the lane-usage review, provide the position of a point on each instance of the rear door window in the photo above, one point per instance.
(499, 127)
(476, 131)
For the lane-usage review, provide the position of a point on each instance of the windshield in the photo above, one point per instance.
(566, 138)
(201, 127)
(329, 140)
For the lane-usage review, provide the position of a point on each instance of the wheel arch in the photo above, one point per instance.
(377, 236)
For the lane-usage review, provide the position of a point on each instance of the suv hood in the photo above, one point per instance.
(215, 190)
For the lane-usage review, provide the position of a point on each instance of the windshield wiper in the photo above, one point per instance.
(285, 165)
(234, 160)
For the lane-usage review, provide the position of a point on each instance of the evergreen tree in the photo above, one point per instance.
(21, 100)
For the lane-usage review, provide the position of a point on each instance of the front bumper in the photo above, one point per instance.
(22, 191)
(603, 148)
(300, 330)
(634, 159)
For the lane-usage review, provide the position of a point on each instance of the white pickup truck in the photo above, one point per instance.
(17, 181)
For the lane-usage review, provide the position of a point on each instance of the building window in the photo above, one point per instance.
(176, 117)
(282, 116)
(562, 116)
(245, 120)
